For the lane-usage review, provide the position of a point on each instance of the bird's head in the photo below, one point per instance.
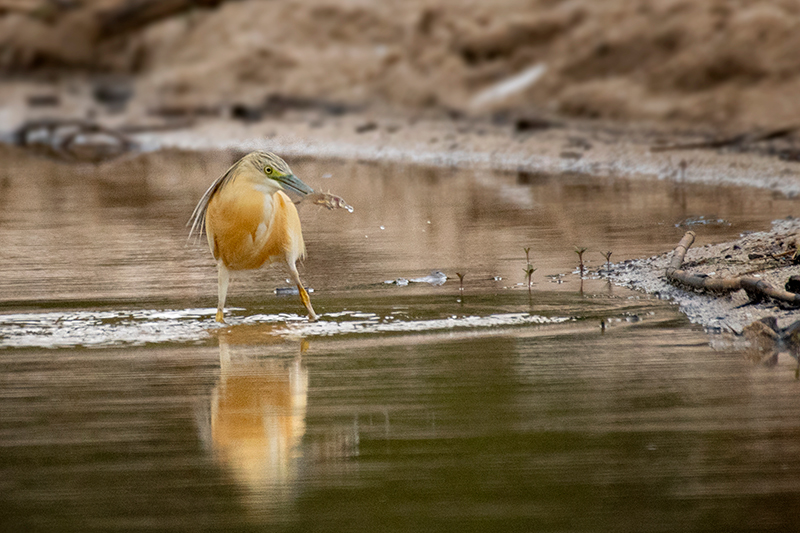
(274, 172)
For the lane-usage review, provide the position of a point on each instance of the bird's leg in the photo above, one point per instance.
(312, 316)
(222, 288)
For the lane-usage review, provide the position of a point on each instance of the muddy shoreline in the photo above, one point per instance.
(750, 255)
(522, 143)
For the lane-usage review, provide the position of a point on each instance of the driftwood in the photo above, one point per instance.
(62, 135)
(73, 139)
(755, 288)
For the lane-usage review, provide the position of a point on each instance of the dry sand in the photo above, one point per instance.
(719, 63)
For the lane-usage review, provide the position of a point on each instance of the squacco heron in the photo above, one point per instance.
(250, 221)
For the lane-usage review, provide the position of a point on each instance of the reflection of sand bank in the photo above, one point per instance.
(258, 415)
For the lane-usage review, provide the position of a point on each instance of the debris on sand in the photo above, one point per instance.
(761, 256)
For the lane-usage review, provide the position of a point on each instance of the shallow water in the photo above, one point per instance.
(407, 407)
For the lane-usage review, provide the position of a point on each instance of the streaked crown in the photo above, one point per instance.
(262, 160)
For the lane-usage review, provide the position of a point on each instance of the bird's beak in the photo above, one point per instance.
(293, 183)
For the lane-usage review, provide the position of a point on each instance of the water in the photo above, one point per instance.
(407, 407)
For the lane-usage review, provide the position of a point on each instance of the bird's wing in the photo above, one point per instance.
(197, 222)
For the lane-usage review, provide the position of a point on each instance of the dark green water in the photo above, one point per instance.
(416, 408)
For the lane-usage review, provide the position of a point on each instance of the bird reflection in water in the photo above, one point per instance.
(258, 411)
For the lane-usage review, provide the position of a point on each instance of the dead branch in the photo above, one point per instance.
(756, 289)
(680, 251)
(73, 139)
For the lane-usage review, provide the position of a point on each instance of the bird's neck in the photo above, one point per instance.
(263, 185)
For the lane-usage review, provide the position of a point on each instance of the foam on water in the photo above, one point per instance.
(148, 326)
(103, 328)
(371, 323)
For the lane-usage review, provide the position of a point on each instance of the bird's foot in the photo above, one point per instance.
(312, 316)
(220, 316)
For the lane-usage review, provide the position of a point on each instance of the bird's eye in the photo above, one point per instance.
(267, 170)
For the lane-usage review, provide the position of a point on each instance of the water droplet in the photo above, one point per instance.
(383, 227)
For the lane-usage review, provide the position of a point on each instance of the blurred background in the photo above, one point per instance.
(716, 63)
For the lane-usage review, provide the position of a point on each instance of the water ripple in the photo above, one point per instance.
(147, 326)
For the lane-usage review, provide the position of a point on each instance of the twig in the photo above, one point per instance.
(580, 252)
(607, 255)
(528, 274)
(529, 270)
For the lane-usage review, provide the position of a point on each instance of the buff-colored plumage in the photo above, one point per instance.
(246, 228)
(250, 221)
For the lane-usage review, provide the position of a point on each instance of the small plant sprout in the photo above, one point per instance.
(460, 282)
(529, 270)
(607, 255)
(580, 251)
